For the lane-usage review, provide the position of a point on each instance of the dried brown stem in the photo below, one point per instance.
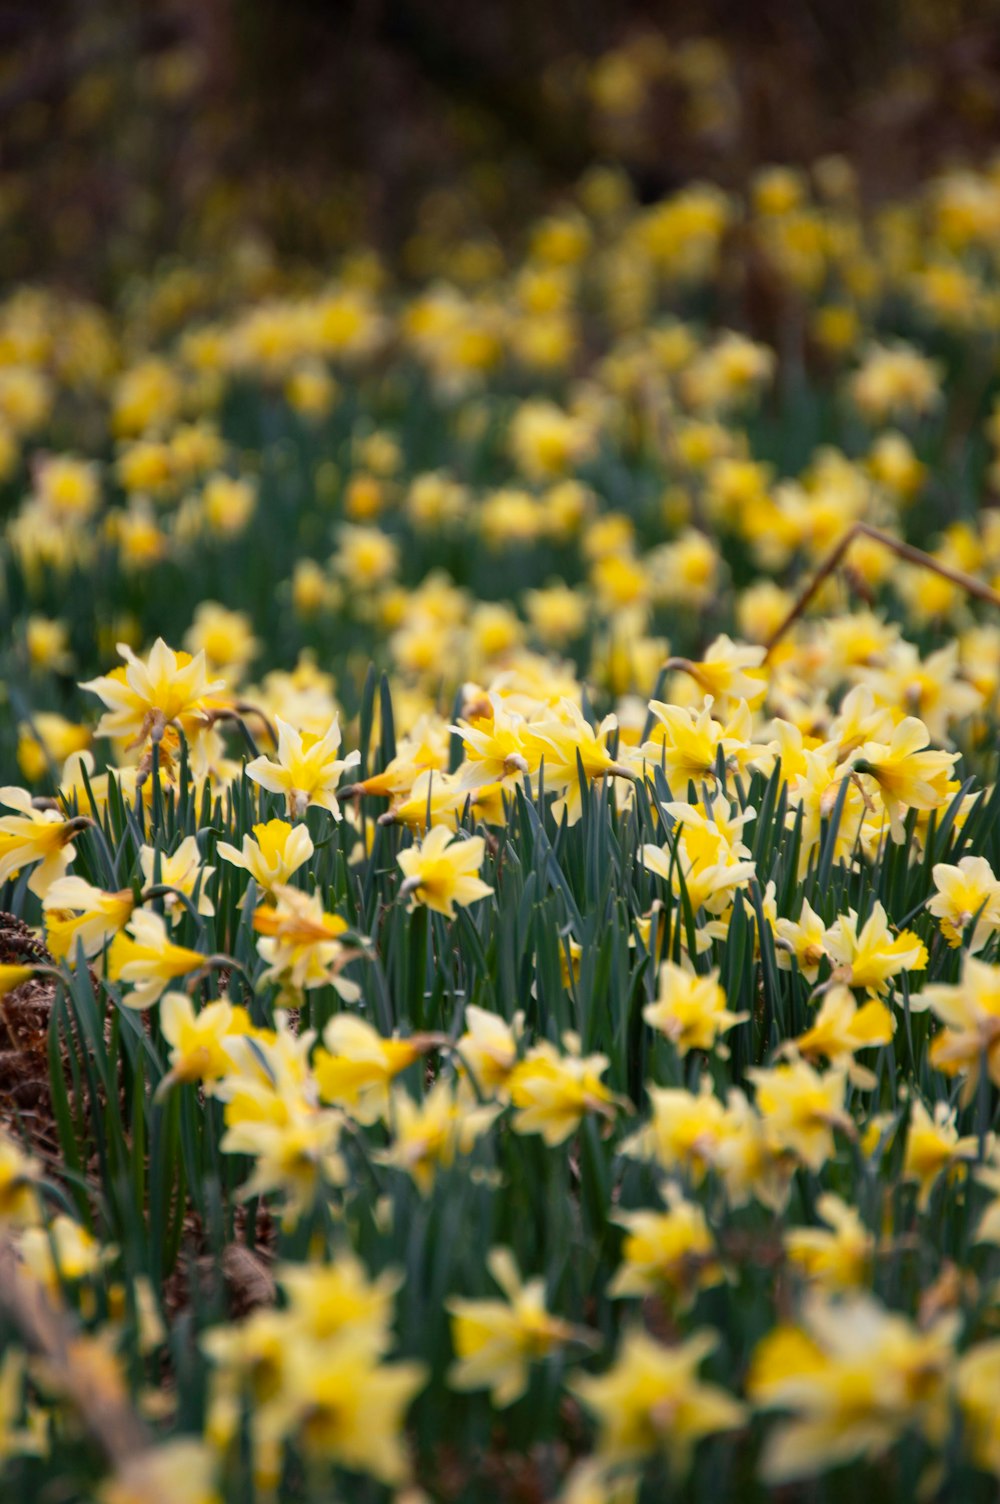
(967, 582)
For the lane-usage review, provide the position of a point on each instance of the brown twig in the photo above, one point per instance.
(967, 582)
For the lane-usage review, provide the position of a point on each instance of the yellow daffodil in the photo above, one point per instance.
(301, 943)
(871, 957)
(434, 797)
(565, 742)
(355, 1066)
(13, 976)
(836, 1256)
(76, 913)
(19, 1172)
(962, 893)
(330, 1299)
(144, 956)
(651, 1400)
(37, 838)
(804, 939)
(197, 1039)
(710, 860)
(295, 1156)
(855, 1378)
(440, 871)
(488, 1049)
(685, 1130)
(934, 1148)
(182, 870)
(553, 1092)
(895, 381)
(144, 697)
(428, 1135)
(496, 1341)
(970, 1012)
(424, 749)
(801, 1108)
(48, 739)
(689, 1009)
(909, 774)
(729, 672)
(841, 1028)
(307, 770)
(274, 852)
(667, 1253)
(686, 743)
(224, 636)
(63, 1250)
(348, 1409)
(47, 642)
(497, 747)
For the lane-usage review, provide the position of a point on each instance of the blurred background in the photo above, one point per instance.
(130, 133)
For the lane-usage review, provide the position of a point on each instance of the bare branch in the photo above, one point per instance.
(967, 582)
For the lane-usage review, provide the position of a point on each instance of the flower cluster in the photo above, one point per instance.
(499, 877)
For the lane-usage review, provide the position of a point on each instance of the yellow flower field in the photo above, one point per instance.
(500, 856)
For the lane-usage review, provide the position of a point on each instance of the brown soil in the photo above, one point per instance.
(25, 1014)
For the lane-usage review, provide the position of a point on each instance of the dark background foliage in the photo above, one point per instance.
(133, 129)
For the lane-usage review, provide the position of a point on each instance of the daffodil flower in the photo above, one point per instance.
(496, 1341)
(78, 913)
(440, 872)
(307, 770)
(143, 698)
(272, 854)
(651, 1400)
(144, 956)
(41, 838)
(690, 1009)
(854, 1378)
